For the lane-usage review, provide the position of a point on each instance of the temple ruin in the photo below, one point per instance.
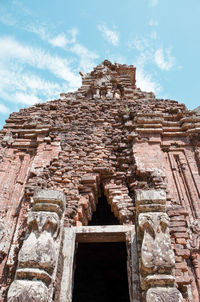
(100, 196)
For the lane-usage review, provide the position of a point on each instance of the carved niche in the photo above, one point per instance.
(37, 259)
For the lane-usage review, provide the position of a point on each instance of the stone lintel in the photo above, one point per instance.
(116, 233)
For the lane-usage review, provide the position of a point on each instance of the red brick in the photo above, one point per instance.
(178, 218)
(178, 259)
(182, 266)
(183, 280)
(178, 229)
(185, 253)
(181, 241)
(177, 223)
(177, 213)
(180, 235)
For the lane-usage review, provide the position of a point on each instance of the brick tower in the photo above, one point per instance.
(108, 171)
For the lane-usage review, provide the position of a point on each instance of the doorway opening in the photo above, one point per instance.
(101, 273)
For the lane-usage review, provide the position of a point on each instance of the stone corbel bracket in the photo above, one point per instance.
(156, 255)
(38, 257)
(156, 252)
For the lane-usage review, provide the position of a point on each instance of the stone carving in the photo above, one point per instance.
(150, 201)
(4, 242)
(38, 256)
(24, 291)
(194, 242)
(157, 257)
(195, 257)
(156, 251)
(161, 294)
(39, 249)
(194, 246)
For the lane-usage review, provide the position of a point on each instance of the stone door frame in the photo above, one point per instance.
(86, 234)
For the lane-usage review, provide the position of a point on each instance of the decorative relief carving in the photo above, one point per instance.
(38, 256)
(156, 251)
(157, 257)
(40, 248)
(4, 241)
(194, 242)
(23, 291)
(194, 246)
(160, 294)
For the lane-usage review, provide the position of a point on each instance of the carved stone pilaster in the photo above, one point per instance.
(156, 255)
(194, 246)
(194, 240)
(4, 240)
(158, 294)
(37, 259)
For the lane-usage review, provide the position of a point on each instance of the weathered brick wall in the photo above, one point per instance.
(110, 136)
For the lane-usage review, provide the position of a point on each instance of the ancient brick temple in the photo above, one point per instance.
(108, 171)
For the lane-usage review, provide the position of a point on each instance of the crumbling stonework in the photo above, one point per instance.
(111, 138)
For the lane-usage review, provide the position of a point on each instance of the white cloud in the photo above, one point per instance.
(26, 99)
(59, 40)
(141, 44)
(65, 40)
(164, 59)
(146, 46)
(73, 32)
(115, 57)
(111, 36)
(153, 2)
(36, 29)
(145, 82)
(148, 56)
(3, 109)
(86, 57)
(19, 86)
(22, 70)
(69, 43)
(34, 83)
(145, 79)
(37, 58)
(7, 19)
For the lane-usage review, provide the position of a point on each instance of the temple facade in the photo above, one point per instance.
(100, 196)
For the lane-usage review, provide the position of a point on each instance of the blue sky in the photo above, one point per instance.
(45, 43)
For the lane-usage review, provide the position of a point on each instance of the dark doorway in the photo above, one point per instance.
(101, 274)
(103, 214)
